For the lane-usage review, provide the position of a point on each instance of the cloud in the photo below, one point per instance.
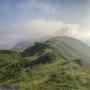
(39, 29)
(13, 30)
(35, 29)
(54, 27)
(69, 11)
(30, 5)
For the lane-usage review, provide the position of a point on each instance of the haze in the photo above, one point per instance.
(33, 19)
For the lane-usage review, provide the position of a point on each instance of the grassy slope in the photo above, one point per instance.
(9, 65)
(42, 68)
(58, 74)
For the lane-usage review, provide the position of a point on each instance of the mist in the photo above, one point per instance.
(38, 30)
(34, 20)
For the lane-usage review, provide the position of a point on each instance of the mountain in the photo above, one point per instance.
(20, 46)
(67, 47)
(60, 63)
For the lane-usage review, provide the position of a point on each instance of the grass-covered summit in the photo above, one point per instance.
(60, 63)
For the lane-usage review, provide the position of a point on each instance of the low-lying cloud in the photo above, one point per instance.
(38, 29)
(41, 28)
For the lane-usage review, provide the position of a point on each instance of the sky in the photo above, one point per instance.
(34, 19)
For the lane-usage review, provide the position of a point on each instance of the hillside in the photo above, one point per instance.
(21, 45)
(66, 47)
(60, 63)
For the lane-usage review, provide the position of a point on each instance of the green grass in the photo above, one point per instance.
(57, 74)
(30, 58)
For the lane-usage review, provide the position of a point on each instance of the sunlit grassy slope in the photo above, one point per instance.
(51, 65)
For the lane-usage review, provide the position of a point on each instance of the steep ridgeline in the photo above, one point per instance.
(22, 45)
(66, 47)
(60, 63)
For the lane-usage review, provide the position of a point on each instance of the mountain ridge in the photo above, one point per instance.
(68, 47)
(55, 64)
